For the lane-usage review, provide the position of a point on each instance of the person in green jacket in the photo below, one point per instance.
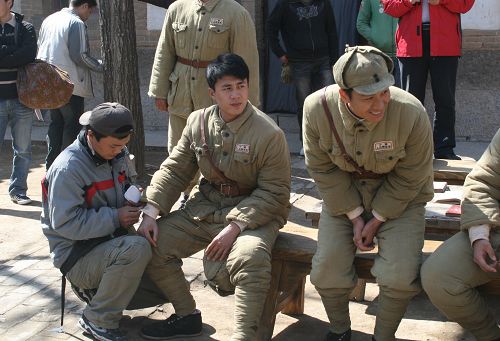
(380, 31)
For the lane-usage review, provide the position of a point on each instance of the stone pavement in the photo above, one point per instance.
(30, 286)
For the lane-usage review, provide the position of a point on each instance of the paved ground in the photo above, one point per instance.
(30, 286)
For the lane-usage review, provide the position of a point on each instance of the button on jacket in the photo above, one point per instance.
(200, 32)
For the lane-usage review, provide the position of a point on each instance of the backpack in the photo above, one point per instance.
(41, 85)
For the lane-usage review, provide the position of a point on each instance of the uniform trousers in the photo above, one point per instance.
(248, 263)
(396, 268)
(450, 277)
(116, 269)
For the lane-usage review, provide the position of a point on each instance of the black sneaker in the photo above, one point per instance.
(20, 199)
(447, 156)
(173, 327)
(99, 333)
(345, 336)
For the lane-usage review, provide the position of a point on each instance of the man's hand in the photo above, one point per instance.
(357, 227)
(370, 231)
(220, 246)
(484, 255)
(284, 59)
(128, 215)
(434, 2)
(161, 104)
(148, 229)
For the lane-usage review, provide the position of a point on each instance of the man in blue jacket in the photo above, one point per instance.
(308, 31)
(17, 48)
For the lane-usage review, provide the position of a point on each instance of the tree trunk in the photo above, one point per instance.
(121, 74)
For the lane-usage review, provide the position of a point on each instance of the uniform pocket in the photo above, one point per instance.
(180, 34)
(218, 36)
(243, 158)
(174, 82)
(386, 160)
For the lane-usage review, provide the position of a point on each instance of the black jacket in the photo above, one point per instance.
(17, 48)
(308, 31)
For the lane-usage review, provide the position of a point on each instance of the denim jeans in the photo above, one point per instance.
(64, 128)
(307, 78)
(20, 119)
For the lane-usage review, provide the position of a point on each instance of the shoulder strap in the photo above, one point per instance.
(360, 170)
(204, 145)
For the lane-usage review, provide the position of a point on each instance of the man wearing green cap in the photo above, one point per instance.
(368, 147)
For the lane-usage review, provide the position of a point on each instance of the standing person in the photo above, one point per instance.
(475, 251)
(310, 37)
(17, 48)
(85, 219)
(236, 211)
(370, 154)
(64, 42)
(194, 33)
(379, 29)
(429, 40)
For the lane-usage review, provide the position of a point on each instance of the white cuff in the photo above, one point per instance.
(355, 213)
(240, 224)
(479, 232)
(378, 216)
(150, 211)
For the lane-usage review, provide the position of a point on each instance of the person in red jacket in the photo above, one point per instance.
(429, 40)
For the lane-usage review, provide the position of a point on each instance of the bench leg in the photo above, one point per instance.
(358, 293)
(268, 318)
(296, 304)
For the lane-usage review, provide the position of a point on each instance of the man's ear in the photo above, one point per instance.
(211, 93)
(344, 96)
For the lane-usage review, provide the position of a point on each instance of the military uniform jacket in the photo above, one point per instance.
(482, 190)
(251, 150)
(399, 146)
(197, 31)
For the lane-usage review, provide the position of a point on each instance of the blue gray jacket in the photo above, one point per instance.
(81, 195)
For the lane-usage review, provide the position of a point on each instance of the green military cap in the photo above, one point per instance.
(365, 69)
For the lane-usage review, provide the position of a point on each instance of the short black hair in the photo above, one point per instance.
(227, 64)
(349, 92)
(78, 3)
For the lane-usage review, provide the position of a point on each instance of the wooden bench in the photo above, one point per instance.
(291, 263)
(452, 171)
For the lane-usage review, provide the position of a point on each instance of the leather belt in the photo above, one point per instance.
(231, 190)
(367, 175)
(199, 64)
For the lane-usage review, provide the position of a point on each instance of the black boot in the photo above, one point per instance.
(345, 336)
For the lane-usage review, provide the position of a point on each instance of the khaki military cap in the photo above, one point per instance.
(365, 69)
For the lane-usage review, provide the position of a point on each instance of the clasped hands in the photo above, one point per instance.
(365, 232)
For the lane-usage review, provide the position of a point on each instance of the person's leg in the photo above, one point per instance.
(147, 295)
(450, 278)
(302, 79)
(443, 72)
(333, 272)
(414, 76)
(396, 268)
(21, 125)
(115, 268)
(249, 266)
(396, 72)
(179, 237)
(4, 121)
(71, 114)
(54, 136)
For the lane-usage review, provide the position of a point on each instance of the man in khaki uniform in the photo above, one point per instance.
(241, 203)
(471, 258)
(375, 182)
(194, 33)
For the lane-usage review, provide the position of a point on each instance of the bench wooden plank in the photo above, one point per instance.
(452, 171)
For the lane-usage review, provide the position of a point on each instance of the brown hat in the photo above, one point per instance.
(109, 119)
(365, 69)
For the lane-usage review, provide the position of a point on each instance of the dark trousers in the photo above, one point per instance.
(64, 127)
(307, 78)
(443, 71)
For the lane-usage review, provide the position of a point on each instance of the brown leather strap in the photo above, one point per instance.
(229, 190)
(226, 185)
(361, 173)
(199, 64)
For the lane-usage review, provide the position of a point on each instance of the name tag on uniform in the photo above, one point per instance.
(217, 21)
(242, 148)
(383, 145)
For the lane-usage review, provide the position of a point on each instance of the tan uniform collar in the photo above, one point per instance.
(351, 121)
(209, 5)
(235, 125)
